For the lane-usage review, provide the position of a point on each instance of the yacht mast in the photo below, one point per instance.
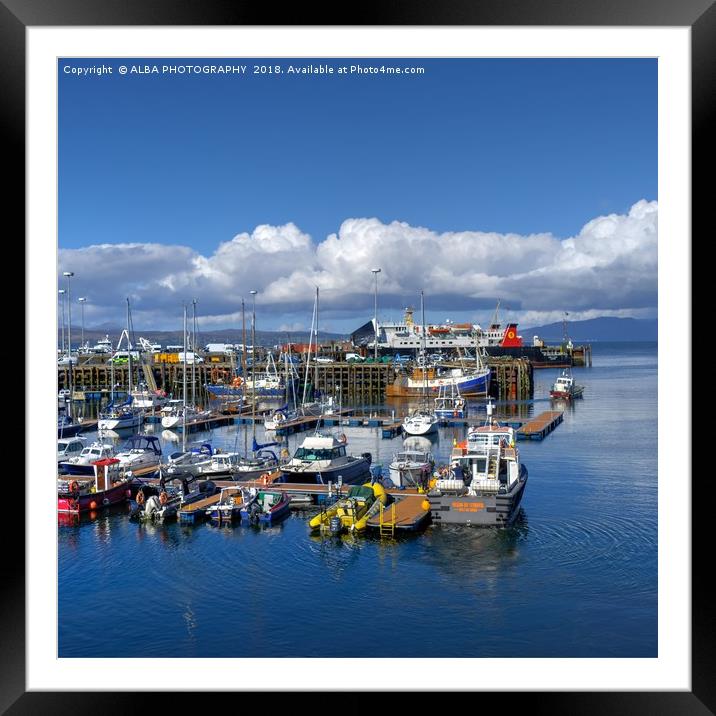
(315, 369)
(253, 366)
(183, 428)
(425, 358)
(129, 353)
(193, 354)
(243, 367)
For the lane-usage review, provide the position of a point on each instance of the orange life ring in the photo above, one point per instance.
(236, 382)
(140, 497)
(74, 486)
(163, 497)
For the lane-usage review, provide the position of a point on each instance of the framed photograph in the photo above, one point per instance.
(214, 197)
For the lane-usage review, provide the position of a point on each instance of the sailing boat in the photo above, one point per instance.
(174, 415)
(284, 414)
(422, 421)
(117, 417)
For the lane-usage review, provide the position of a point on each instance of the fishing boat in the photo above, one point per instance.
(421, 421)
(411, 468)
(228, 507)
(264, 506)
(485, 482)
(353, 511)
(82, 464)
(68, 448)
(140, 451)
(109, 484)
(322, 459)
(449, 403)
(565, 388)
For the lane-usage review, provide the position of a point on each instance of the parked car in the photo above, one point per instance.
(354, 358)
(324, 359)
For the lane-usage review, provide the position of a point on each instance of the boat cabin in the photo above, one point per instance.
(318, 448)
(143, 443)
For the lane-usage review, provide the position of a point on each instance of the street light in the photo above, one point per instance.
(68, 275)
(375, 272)
(62, 308)
(82, 301)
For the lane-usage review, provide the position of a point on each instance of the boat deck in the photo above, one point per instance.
(200, 505)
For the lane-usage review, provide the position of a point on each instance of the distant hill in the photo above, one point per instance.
(596, 329)
(231, 335)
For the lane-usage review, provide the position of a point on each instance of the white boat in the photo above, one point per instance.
(102, 346)
(189, 462)
(420, 422)
(148, 399)
(69, 448)
(140, 451)
(120, 417)
(411, 468)
(176, 416)
(82, 464)
(485, 482)
(323, 459)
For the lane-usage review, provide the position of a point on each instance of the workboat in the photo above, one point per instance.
(118, 417)
(323, 459)
(353, 511)
(140, 451)
(565, 388)
(485, 481)
(82, 464)
(411, 468)
(68, 448)
(264, 506)
(109, 484)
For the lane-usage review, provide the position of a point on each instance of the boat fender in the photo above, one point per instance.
(343, 438)
(74, 486)
(265, 478)
(140, 497)
(163, 498)
(93, 505)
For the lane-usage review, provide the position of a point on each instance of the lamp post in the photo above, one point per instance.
(61, 292)
(375, 272)
(82, 300)
(68, 275)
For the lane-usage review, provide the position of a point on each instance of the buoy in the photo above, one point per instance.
(425, 504)
(93, 505)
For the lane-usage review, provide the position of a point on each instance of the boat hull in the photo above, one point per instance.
(119, 423)
(95, 500)
(351, 473)
(467, 385)
(485, 510)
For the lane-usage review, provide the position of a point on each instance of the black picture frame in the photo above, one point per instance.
(699, 15)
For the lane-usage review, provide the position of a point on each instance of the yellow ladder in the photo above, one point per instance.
(387, 527)
(149, 377)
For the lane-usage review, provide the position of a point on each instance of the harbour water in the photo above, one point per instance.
(575, 577)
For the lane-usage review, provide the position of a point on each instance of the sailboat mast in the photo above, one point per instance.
(193, 354)
(183, 428)
(243, 364)
(308, 356)
(425, 358)
(315, 369)
(129, 353)
(253, 366)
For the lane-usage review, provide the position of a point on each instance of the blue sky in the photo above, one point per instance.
(482, 147)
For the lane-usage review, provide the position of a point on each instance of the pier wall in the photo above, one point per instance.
(511, 379)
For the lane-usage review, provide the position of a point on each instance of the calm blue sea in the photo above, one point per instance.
(576, 576)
